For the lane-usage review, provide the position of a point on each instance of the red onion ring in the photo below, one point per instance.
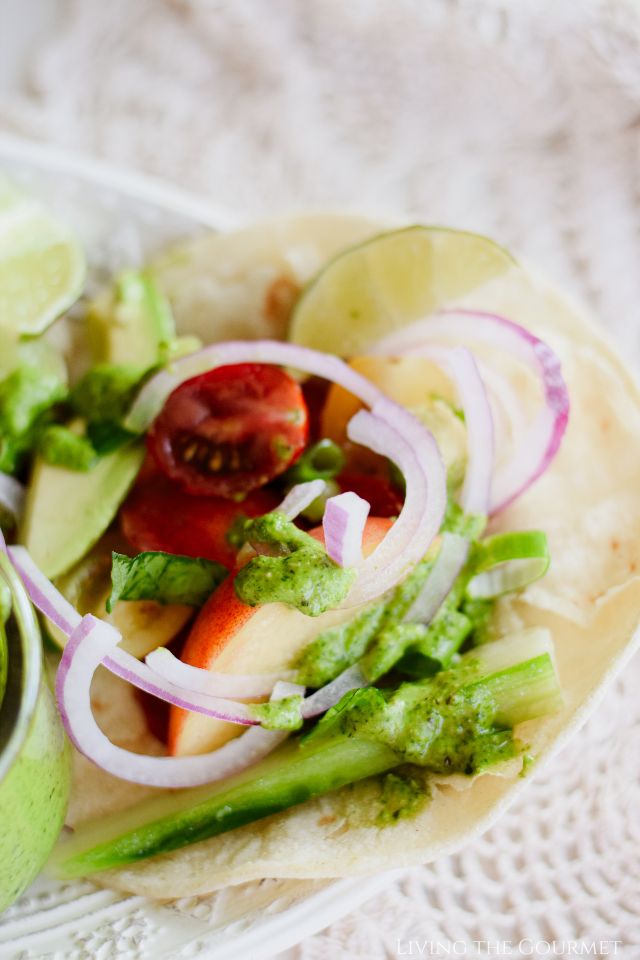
(198, 680)
(451, 558)
(460, 364)
(540, 443)
(123, 665)
(300, 497)
(42, 592)
(151, 398)
(327, 696)
(89, 645)
(416, 454)
(59, 611)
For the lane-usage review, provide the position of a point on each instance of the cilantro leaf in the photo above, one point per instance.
(163, 577)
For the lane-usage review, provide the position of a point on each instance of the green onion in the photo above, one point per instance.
(507, 562)
(315, 511)
(525, 691)
(322, 461)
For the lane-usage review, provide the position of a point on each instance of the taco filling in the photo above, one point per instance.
(310, 572)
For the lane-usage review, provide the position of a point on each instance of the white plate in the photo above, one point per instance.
(121, 218)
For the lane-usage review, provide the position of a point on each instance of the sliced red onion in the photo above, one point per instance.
(451, 558)
(151, 398)
(343, 523)
(123, 665)
(12, 495)
(300, 497)
(393, 432)
(91, 643)
(459, 363)
(163, 663)
(43, 594)
(198, 679)
(538, 446)
(507, 409)
(327, 696)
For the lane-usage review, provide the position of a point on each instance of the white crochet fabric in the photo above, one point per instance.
(520, 120)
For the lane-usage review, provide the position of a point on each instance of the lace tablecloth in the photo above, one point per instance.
(521, 121)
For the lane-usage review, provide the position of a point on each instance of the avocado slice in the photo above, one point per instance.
(131, 322)
(67, 511)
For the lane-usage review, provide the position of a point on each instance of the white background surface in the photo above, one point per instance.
(520, 120)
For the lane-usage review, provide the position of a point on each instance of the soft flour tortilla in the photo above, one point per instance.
(588, 505)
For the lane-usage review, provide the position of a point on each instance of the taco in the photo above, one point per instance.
(458, 583)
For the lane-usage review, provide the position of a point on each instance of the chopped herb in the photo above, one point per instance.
(163, 577)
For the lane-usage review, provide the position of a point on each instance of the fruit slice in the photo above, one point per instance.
(387, 282)
(42, 266)
(231, 637)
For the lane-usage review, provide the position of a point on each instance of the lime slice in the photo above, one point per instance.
(387, 282)
(42, 267)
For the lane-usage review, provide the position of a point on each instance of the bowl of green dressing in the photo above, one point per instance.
(35, 765)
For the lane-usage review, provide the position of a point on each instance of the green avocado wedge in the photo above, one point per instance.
(131, 323)
(66, 512)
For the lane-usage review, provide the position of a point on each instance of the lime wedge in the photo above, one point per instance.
(42, 267)
(387, 282)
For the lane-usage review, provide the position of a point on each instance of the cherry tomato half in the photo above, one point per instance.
(158, 515)
(230, 430)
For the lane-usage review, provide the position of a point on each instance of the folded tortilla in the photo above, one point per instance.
(587, 503)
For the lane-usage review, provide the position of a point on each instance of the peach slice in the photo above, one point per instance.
(231, 637)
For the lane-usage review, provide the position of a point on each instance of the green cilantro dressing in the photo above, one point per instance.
(336, 649)
(380, 638)
(402, 796)
(292, 568)
(446, 724)
(280, 714)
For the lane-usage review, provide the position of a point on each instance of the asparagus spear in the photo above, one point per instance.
(461, 720)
